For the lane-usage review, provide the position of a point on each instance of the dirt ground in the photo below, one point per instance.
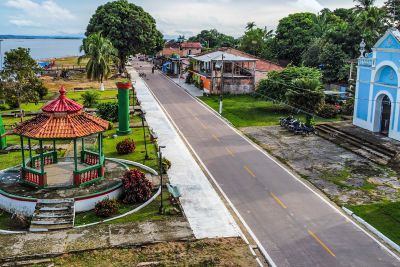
(212, 252)
(76, 81)
(343, 176)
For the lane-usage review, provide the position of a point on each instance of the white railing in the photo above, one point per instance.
(369, 62)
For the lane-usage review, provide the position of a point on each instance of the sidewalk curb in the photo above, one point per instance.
(372, 229)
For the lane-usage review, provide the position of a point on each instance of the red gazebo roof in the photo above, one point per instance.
(62, 104)
(61, 118)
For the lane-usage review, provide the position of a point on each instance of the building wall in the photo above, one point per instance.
(379, 79)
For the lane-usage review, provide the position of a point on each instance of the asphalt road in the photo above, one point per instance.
(292, 223)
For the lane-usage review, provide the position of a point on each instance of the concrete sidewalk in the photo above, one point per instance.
(20, 246)
(190, 88)
(205, 211)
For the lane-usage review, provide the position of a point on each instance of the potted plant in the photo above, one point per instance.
(124, 84)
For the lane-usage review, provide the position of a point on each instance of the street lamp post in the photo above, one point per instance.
(161, 209)
(142, 116)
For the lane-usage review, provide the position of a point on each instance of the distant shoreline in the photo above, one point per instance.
(10, 37)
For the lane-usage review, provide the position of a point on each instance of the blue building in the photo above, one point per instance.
(377, 93)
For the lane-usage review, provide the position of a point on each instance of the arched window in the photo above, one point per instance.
(387, 75)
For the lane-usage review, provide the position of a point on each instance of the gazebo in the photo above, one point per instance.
(61, 119)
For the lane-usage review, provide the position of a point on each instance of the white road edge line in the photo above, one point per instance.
(291, 174)
(260, 246)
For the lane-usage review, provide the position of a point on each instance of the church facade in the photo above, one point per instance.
(377, 95)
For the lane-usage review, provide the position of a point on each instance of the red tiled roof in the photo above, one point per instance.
(62, 104)
(191, 45)
(61, 119)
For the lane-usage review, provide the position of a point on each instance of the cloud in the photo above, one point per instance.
(309, 5)
(24, 23)
(36, 11)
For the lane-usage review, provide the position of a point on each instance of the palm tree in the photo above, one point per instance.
(364, 4)
(101, 54)
(250, 25)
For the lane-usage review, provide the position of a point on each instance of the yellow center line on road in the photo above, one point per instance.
(321, 243)
(201, 123)
(230, 152)
(278, 200)
(215, 137)
(249, 171)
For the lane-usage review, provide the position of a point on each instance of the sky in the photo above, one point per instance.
(174, 17)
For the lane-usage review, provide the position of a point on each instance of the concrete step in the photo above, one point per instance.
(354, 145)
(364, 142)
(53, 214)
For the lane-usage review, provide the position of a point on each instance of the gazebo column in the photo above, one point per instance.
(42, 180)
(75, 156)
(101, 158)
(30, 152)
(55, 158)
(23, 152)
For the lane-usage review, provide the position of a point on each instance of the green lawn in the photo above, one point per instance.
(149, 213)
(383, 216)
(139, 154)
(246, 110)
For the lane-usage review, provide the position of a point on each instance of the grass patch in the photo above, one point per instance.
(246, 110)
(338, 177)
(383, 216)
(148, 213)
(138, 155)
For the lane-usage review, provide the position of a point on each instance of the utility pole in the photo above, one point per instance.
(222, 86)
(1, 56)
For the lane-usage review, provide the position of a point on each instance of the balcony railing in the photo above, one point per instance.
(90, 158)
(33, 176)
(88, 175)
(48, 158)
(367, 62)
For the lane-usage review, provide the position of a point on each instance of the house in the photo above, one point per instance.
(190, 48)
(224, 72)
(377, 94)
(262, 66)
(182, 49)
(243, 65)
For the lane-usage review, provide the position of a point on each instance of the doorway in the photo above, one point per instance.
(386, 108)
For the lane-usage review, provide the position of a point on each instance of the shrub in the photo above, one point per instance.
(106, 208)
(90, 98)
(189, 78)
(348, 107)
(3, 107)
(110, 125)
(108, 111)
(166, 165)
(126, 146)
(137, 188)
(328, 111)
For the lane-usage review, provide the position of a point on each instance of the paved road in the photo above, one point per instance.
(293, 224)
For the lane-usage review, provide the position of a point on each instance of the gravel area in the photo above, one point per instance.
(342, 175)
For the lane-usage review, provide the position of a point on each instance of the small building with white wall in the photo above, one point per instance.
(377, 94)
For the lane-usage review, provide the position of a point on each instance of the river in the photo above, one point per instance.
(44, 48)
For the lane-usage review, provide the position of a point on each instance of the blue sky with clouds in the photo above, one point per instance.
(174, 17)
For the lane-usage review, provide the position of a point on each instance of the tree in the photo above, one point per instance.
(130, 29)
(250, 25)
(293, 35)
(373, 22)
(19, 82)
(364, 4)
(392, 8)
(277, 83)
(101, 54)
(306, 95)
(257, 41)
(213, 39)
(330, 58)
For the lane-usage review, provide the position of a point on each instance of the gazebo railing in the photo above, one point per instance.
(33, 176)
(88, 175)
(90, 158)
(48, 158)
